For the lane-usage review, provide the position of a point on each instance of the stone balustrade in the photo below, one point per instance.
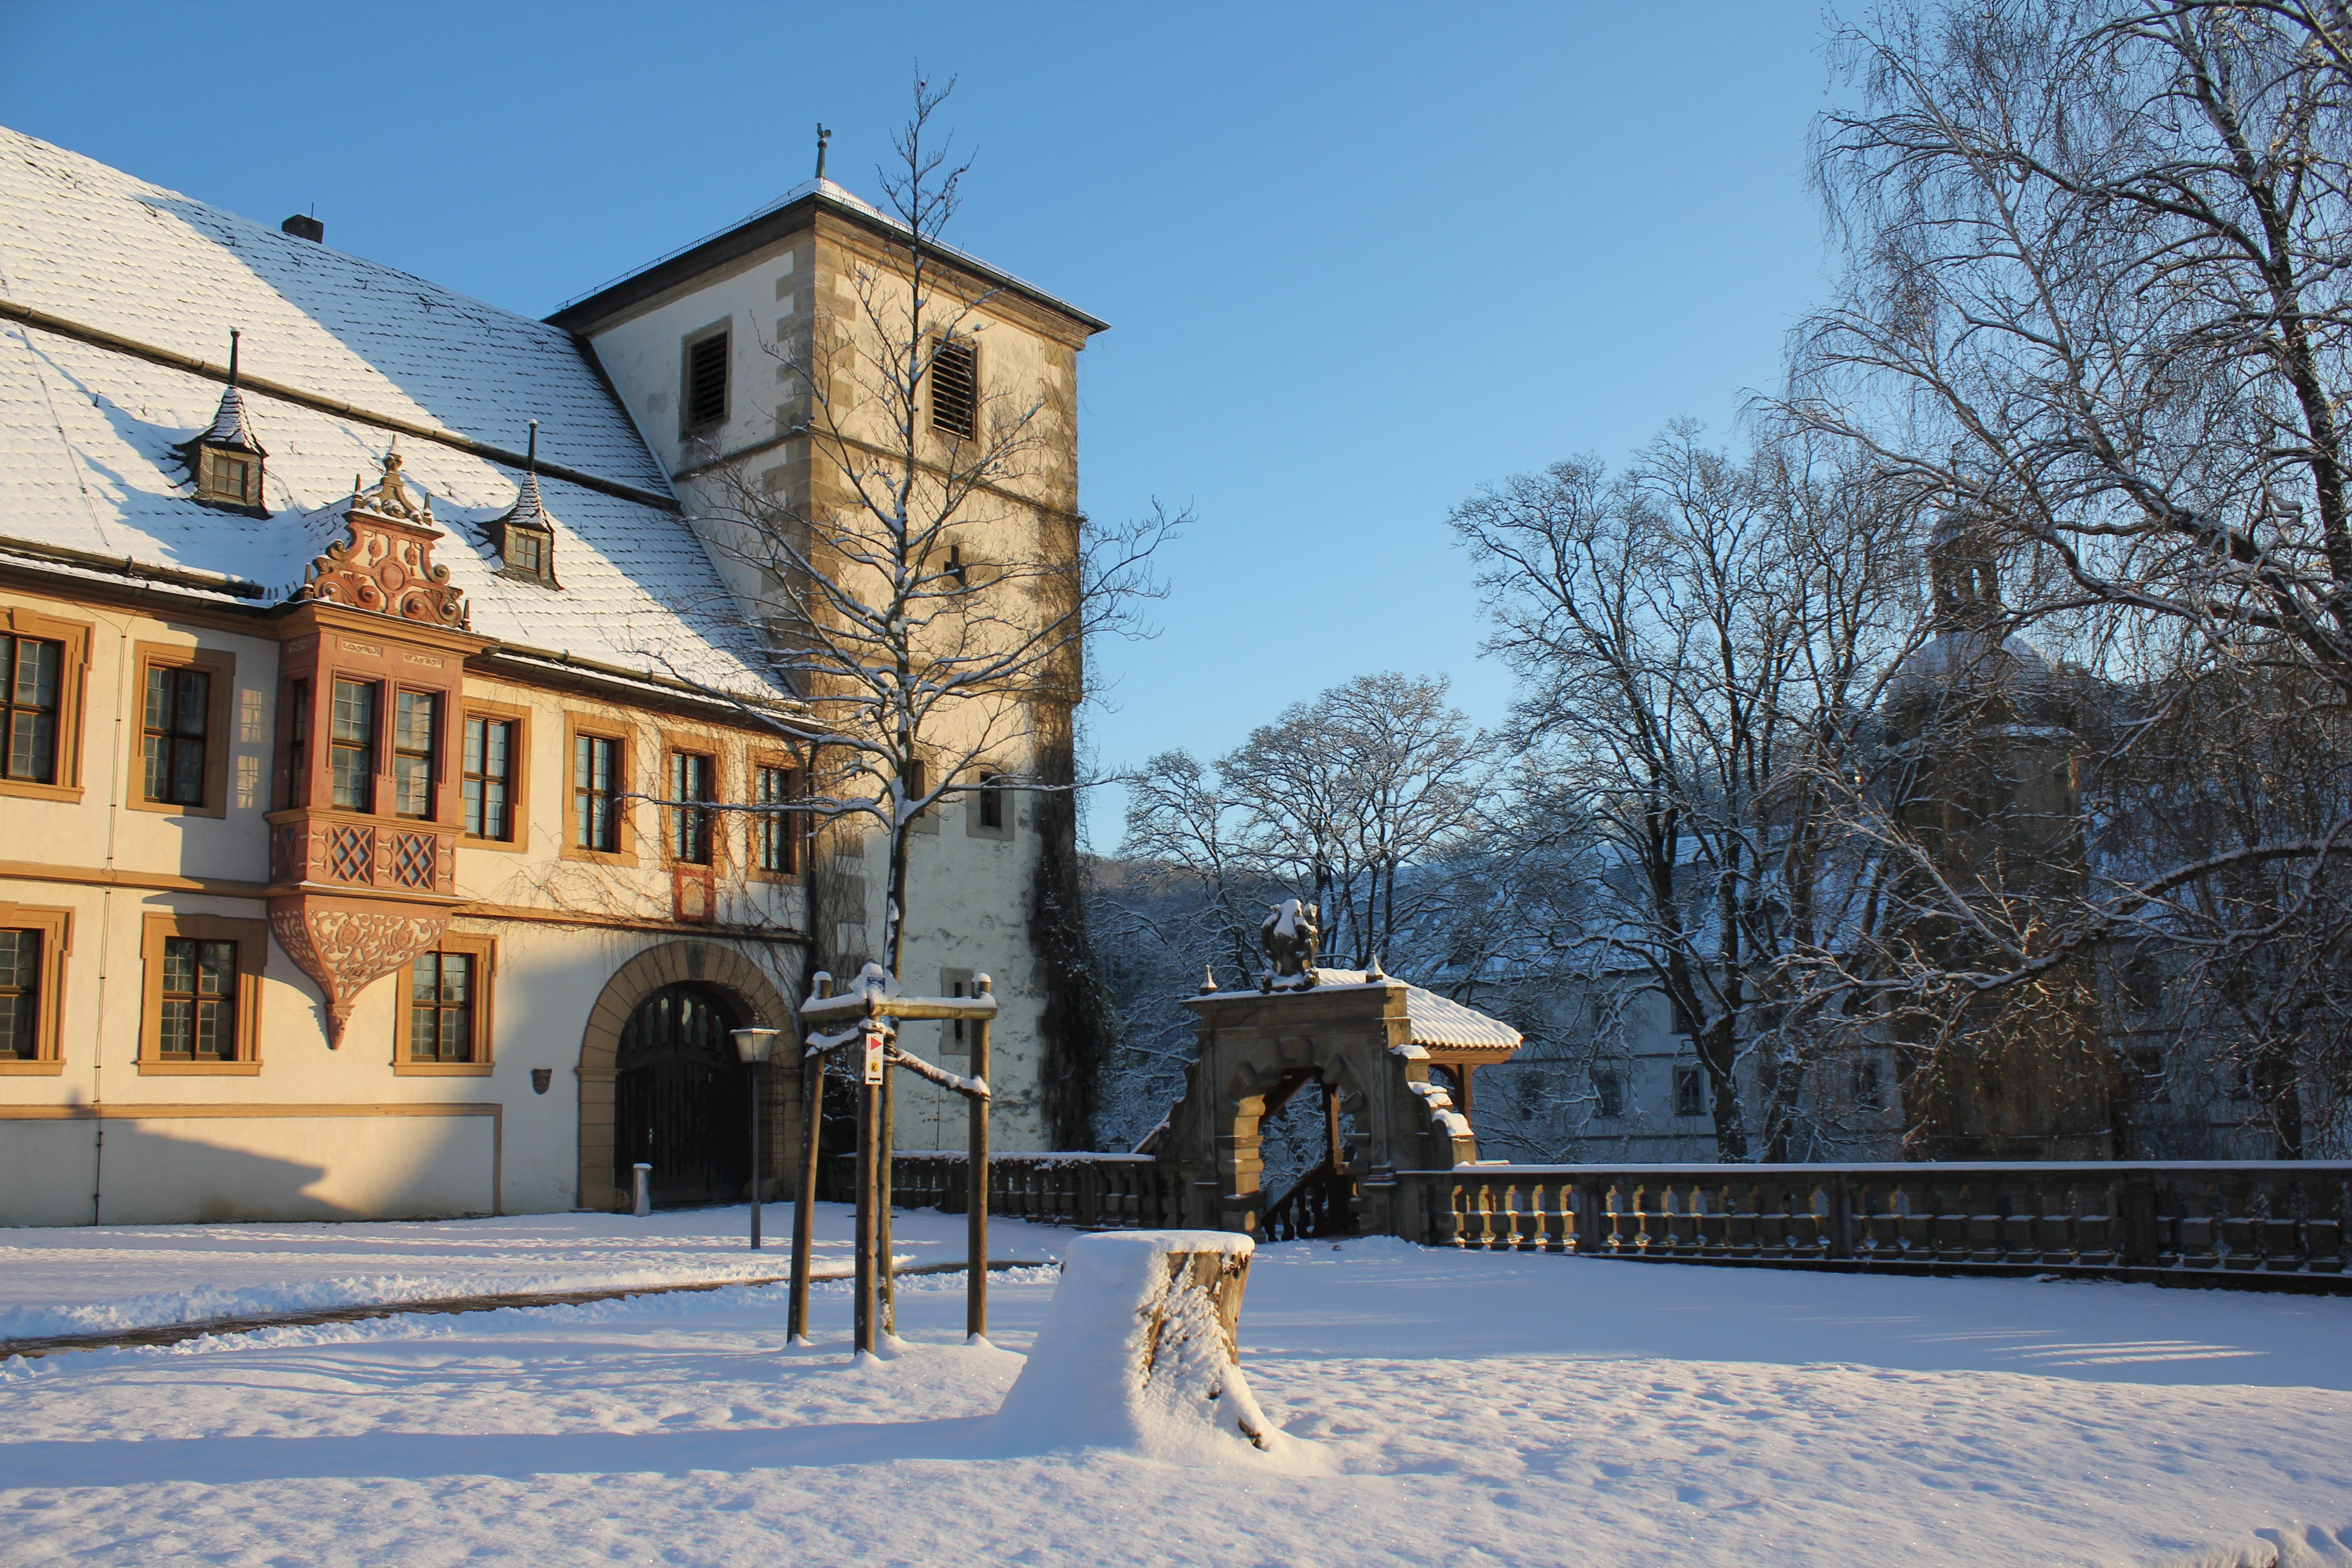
(2159, 1219)
(1090, 1190)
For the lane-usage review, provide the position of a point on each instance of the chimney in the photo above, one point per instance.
(302, 225)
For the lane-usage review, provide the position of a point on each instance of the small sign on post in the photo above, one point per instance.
(873, 1056)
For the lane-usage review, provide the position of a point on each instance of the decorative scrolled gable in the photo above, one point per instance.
(385, 565)
(225, 459)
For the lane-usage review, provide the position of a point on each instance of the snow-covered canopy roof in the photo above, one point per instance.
(109, 287)
(1438, 1023)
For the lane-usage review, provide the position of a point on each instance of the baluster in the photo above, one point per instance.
(2015, 1203)
(2283, 1243)
(2323, 1228)
(2197, 1226)
(1706, 1218)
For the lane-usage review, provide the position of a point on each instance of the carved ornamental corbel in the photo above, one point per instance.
(348, 943)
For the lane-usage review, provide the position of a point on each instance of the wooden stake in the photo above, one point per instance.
(887, 1146)
(804, 1205)
(975, 1299)
(869, 1106)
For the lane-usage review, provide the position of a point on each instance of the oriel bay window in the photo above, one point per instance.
(416, 729)
(691, 778)
(351, 742)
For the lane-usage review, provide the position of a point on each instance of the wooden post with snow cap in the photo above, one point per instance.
(864, 1017)
(805, 1205)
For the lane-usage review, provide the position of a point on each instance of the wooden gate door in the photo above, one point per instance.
(682, 1100)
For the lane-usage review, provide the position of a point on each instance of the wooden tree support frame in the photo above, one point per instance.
(867, 1019)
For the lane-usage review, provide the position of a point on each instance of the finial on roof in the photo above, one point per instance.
(531, 459)
(229, 427)
(1208, 979)
(823, 137)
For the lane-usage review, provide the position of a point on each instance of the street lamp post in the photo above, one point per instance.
(755, 1046)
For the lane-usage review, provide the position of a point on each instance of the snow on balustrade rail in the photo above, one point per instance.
(1053, 1187)
(2155, 1219)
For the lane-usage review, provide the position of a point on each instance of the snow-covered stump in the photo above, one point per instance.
(1140, 1350)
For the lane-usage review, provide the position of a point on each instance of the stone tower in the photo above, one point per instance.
(1982, 741)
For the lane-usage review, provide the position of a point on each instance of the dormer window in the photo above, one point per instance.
(527, 552)
(225, 458)
(230, 476)
(525, 537)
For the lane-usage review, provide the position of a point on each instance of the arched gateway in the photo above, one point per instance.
(1374, 1041)
(660, 1079)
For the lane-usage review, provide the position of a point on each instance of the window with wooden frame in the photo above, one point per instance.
(203, 1003)
(492, 786)
(702, 400)
(599, 783)
(183, 734)
(1608, 1095)
(232, 477)
(296, 790)
(442, 1018)
(955, 389)
(528, 552)
(693, 776)
(351, 745)
(776, 833)
(415, 740)
(987, 814)
(1690, 1091)
(33, 946)
(918, 784)
(955, 1034)
(42, 664)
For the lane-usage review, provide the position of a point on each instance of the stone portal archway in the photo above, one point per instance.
(723, 970)
(1372, 1040)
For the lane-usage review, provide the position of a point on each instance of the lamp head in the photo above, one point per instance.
(755, 1046)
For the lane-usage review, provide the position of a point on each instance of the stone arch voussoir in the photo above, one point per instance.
(711, 964)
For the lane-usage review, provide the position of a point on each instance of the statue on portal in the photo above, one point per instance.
(1290, 933)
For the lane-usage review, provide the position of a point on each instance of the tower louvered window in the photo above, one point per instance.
(955, 389)
(706, 381)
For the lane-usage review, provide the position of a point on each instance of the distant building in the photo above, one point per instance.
(336, 878)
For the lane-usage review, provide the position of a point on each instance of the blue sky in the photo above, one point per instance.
(1357, 259)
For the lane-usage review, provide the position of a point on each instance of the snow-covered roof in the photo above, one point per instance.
(763, 226)
(108, 284)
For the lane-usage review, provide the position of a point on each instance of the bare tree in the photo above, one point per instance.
(2096, 295)
(1696, 642)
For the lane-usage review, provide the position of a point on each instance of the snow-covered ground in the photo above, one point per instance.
(1469, 1409)
(100, 1280)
